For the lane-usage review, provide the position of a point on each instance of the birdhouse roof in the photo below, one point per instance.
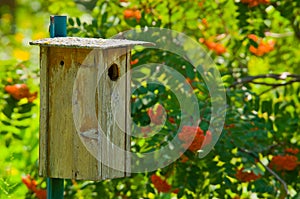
(78, 42)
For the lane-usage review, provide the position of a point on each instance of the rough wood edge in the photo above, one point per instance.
(127, 120)
(43, 133)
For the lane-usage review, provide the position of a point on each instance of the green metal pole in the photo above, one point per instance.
(55, 188)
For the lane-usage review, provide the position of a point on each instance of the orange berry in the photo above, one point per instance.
(156, 115)
(145, 130)
(253, 37)
(30, 184)
(41, 193)
(286, 162)
(176, 191)
(133, 62)
(292, 151)
(184, 158)
(253, 3)
(243, 176)
(172, 120)
(128, 13)
(132, 13)
(201, 40)
(204, 21)
(262, 48)
(229, 126)
(137, 15)
(192, 137)
(20, 91)
(188, 80)
(217, 47)
(160, 184)
(208, 138)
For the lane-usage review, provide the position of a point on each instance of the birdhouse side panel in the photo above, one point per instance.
(66, 155)
(113, 113)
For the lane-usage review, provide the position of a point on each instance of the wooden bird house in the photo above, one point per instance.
(79, 87)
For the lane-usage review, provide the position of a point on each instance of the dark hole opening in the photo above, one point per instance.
(62, 63)
(113, 72)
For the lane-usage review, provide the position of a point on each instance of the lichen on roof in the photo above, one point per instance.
(78, 42)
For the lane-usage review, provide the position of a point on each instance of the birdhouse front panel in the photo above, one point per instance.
(84, 92)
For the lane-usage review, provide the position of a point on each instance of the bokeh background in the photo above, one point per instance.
(255, 46)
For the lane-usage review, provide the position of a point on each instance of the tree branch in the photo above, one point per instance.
(275, 84)
(278, 77)
(279, 35)
(251, 153)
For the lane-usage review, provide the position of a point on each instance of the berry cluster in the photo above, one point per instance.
(284, 162)
(156, 115)
(246, 176)
(193, 138)
(162, 185)
(32, 186)
(216, 47)
(263, 46)
(20, 91)
(253, 3)
(132, 14)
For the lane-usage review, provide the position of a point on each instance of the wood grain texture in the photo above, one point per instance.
(86, 118)
(63, 153)
(63, 160)
(44, 111)
(128, 114)
(113, 119)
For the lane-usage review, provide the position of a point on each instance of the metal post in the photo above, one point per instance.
(55, 188)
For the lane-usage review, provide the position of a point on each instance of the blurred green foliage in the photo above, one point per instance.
(262, 118)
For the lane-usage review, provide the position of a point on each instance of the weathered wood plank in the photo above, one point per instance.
(86, 118)
(44, 111)
(127, 113)
(115, 132)
(60, 138)
(68, 158)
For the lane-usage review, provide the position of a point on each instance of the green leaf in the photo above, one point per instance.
(6, 123)
(104, 18)
(78, 21)
(3, 132)
(71, 21)
(180, 193)
(21, 126)
(190, 72)
(16, 136)
(73, 30)
(267, 107)
(8, 110)
(141, 90)
(8, 141)
(24, 108)
(276, 108)
(24, 117)
(253, 43)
